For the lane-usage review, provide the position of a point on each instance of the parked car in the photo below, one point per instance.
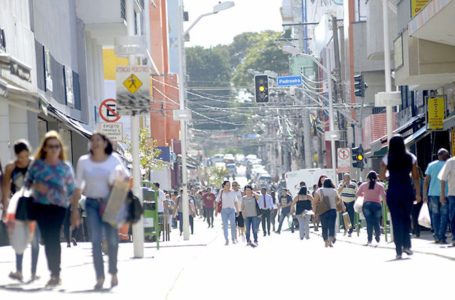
(229, 159)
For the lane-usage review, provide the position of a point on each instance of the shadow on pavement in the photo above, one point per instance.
(176, 246)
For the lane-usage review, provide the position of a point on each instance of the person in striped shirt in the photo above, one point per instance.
(347, 191)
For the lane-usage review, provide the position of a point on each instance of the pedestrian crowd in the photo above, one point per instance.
(52, 195)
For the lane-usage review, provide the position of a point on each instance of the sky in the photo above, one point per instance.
(246, 15)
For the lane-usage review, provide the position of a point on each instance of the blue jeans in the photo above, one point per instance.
(96, 228)
(328, 224)
(350, 211)
(228, 215)
(439, 217)
(372, 212)
(35, 253)
(181, 223)
(452, 215)
(251, 223)
(283, 216)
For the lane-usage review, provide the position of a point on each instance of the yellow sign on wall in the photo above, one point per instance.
(417, 5)
(435, 108)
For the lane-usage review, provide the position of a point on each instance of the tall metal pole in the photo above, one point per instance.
(138, 228)
(388, 75)
(184, 197)
(331, 120)
(388, 79)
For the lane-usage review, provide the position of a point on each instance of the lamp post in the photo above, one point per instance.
(181, 46)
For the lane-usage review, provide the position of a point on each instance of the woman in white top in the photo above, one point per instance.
(96, 173)
(227, 198)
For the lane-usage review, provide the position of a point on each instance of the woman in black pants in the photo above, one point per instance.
(51, 179)
(400, 194)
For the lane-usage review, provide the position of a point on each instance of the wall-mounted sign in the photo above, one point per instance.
(20, 70)
(417, 5)
(69, 87)
(435, 112)
(47, 70)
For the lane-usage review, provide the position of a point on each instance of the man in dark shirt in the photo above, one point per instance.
(284, 203)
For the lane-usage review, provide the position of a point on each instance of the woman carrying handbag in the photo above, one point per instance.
(326, 200)
(95, 176)
(14, 177)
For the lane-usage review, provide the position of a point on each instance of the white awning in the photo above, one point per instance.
(19, 97)
(419, 134)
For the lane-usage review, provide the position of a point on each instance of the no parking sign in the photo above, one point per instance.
(108, 111)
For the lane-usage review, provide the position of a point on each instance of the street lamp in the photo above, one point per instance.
(184, 198)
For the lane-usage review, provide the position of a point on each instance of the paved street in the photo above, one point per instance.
(281, 266)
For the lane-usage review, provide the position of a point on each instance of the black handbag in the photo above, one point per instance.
(134, 208)
(24, 210)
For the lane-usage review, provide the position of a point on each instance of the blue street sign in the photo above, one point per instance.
(289, 80)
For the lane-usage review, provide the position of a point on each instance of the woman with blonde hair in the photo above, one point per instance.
(51, 180)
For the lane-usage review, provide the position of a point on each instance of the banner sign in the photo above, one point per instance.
(417, 5)
(435, 110)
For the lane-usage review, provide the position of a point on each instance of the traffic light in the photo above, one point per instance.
(359, 85)
(358, 157)
(261, 83)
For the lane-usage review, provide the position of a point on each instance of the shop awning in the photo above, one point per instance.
(81, 128)
(379, 146)
(419, 134)
(449, 123)
(19, 97)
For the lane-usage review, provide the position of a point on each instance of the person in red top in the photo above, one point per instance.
(372, 192)
(209, 199)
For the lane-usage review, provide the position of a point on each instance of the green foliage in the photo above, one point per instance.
(148, 152)
(217, 175)
(263, 53)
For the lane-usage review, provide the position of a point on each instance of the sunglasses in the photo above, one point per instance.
(53, 146)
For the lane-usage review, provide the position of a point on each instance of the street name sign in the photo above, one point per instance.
(182, 115)
(133, 90)
(289, 80)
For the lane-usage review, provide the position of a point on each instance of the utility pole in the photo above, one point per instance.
(138, 228)
(184, 197)
(331, 123)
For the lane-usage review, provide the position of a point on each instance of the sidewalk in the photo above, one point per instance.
(153, 275)
(423, 244)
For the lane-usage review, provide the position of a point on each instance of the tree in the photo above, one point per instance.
(217, 175)
(148, 152)
(263, 53)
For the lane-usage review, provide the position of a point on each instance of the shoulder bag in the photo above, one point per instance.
(323, 204)
(219, 205)
(24, 211)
